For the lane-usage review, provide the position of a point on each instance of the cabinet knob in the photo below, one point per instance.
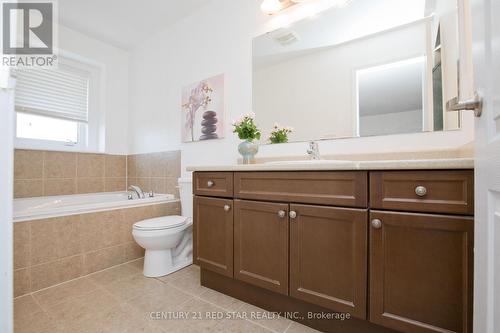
(210, 183)
(281, 213)
(376, 224)
(292, 214)
(227, 208)
(420, 191)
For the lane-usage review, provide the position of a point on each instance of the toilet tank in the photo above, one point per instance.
(186, 195)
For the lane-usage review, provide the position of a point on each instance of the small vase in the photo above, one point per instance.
(248, 149)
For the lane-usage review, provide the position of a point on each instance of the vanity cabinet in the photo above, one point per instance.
(421, 272)
(261, 244)
(213, 234)
(394, 249)
(328, 257)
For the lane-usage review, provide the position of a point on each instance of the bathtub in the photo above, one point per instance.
(48, 207)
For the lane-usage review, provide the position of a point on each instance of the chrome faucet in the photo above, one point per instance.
(137, 190)
(313, 151)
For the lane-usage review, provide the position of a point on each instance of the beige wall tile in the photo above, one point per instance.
(28, 164)
(43, 241)
(90, 165)
(68, 233)
(159, 185)
(59, 165)
(131, 181)
(21, 245)
(133, 251)
(115, 166)
(28, 188)
(22, 282)
(89, 185)
(144, 184)
(101, 230)
(115, 184)
(172, 188)
(159, 164)
(59, 186)
(143, 165)
(173, 208)
(105, 258)
(55, 272)
(174, 164)
(131, 166)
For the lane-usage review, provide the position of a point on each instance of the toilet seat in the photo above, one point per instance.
(161, 223)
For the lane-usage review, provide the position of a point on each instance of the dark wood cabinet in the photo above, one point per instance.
(213, 234)
(328, 257)
(421, 272)
(261, 244)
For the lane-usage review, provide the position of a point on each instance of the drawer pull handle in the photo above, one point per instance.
(227, 208)
(281, 213)
(293, 214)
(210, 183)
(376, 224)
(420, 191)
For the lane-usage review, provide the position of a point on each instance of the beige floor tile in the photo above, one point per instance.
(239, 326)
(163, 299)
(265, 318)
(132, 287)
(37, 323)
(25, 306)
(299, 328)
(190, 271)
(63, 292)
(114, 274)
(201, 317)
(77, 312)
(137, 264)
(221, 300)
(189, 284)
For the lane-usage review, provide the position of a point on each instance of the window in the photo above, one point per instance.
(53, 106)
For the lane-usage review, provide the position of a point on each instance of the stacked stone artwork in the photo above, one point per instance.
(209, 126)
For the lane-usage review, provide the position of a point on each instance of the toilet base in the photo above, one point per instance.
(159, 263)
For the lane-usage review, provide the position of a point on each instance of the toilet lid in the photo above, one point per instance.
(161, 223)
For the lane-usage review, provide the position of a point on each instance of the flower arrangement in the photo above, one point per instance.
(246, 128)
(199, 98)
(280, 134)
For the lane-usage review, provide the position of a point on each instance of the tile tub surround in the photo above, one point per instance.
(156, 172)
(120, 299)
(51, 251)
(47, 173)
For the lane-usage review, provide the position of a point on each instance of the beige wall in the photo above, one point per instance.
(51, 251)
(156, 172)
(44, 173)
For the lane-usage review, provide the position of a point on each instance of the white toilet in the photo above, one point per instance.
(168, 240)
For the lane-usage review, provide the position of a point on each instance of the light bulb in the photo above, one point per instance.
(271, 7)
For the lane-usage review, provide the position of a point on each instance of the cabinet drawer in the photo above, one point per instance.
(214, 184)
(423, 191)
(339, 188)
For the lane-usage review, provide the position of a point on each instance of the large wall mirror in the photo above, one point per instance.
(367, 68)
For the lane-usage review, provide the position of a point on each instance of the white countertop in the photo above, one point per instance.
(324, 165)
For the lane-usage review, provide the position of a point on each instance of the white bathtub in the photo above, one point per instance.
(48, 207)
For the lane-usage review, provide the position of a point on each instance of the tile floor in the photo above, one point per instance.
(122, 300)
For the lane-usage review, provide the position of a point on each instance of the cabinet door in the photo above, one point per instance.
(213, 236)
(421, 272)
(328, 257)
(261, 244)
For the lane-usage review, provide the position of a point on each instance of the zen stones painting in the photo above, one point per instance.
(203, 110)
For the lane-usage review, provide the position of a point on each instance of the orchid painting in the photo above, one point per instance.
(203, 110)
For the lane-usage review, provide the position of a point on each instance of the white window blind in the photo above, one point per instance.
(58, 93)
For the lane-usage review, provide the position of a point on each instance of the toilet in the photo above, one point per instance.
(168, 240)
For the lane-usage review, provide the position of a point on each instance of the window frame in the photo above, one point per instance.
(89, 133)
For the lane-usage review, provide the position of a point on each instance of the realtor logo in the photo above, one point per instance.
(28, 33)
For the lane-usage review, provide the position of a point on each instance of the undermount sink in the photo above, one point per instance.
(309, 162)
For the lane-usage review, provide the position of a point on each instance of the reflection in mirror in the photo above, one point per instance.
(369, 68)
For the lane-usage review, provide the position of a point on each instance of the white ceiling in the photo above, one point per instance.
(124, 23)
